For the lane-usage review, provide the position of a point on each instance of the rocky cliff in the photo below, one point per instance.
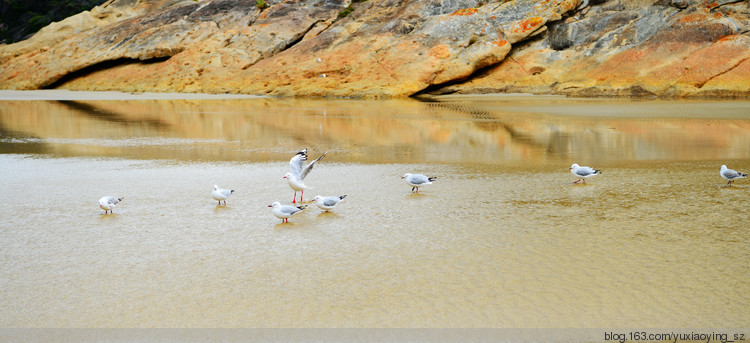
(381, 48)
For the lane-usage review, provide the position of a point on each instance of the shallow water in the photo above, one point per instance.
(502, 238)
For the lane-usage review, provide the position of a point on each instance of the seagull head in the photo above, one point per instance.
(406, 175)
(288, 176)
(275, 204)
(574, 166)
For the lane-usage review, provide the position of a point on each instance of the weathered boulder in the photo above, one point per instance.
(663, 48)
(398, 48)
(384, 48)
(110, 12)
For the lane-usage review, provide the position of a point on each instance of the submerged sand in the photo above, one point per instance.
(61, 94)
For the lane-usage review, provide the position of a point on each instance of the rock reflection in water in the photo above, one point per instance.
(466, 130)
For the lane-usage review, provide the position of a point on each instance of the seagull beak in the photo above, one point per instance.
(270, 205)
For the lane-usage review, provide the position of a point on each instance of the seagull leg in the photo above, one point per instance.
(301, 195)
(294, 201)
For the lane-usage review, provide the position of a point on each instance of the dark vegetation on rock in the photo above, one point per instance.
(19, 19)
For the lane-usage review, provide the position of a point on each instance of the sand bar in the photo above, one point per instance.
(61, 94)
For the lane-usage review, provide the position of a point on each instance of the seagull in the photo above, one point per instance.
(283, 212)
(583, 172)
(731, 175)
(417, 180)
(327, 203)
(221, 194)
(298, 173)
(107, 203)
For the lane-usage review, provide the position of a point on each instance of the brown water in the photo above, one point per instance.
(501, 239)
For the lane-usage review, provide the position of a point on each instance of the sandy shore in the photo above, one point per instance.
(61, 94)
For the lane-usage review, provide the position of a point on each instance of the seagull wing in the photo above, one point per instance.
(730, 174)
(419, 179)
(290, 210)
(226, 192)
(331, 201)
(309, 167)
(585, 171)
(295, 164)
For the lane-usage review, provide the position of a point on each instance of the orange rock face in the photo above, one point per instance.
(383, 49)
(699, 51)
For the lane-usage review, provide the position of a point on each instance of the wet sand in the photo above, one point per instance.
(656, 246)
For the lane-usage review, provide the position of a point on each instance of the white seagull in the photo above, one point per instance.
(283, 212)
(107, 203)
(417, 180)
(221, 194)
(298, 173)
(327, 203)
(731, 175)
(583, 172)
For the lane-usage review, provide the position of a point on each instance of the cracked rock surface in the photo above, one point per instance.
(632, 48)
(383, 48)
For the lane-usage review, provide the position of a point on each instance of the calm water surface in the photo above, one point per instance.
(501, 239)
